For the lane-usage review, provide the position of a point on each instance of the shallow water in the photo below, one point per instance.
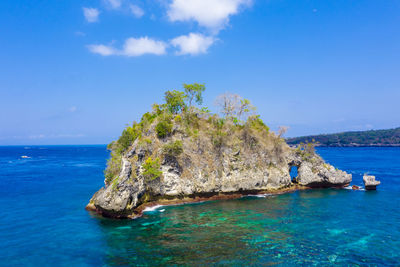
(43, 221)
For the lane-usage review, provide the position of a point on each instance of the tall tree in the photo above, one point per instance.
(228, 103)
(175, 101)
(234, 106)
(194, 92)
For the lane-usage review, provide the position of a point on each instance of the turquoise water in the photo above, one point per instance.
(43, 221)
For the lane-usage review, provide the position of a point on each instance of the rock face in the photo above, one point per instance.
(370, 183)
(313, 171)
(246, 163)
(121, 200)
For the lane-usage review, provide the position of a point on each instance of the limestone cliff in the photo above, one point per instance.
(205, 157)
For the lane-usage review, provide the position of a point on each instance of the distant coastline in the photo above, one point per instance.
(371, 138)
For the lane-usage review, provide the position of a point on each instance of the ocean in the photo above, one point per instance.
(43, 221)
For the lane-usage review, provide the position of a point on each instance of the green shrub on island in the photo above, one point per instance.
(173, 148)
(306, 150)
(163, 128)
(218, 135)
(127, 137)
(151, 169)
(256, 123)
(113, 167)
(115, 183)
(147, 119)
(175, 101)
(178, 118)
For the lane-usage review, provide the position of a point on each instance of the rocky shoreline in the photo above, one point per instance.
(138, 212)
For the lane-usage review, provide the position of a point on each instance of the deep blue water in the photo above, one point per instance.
(43, 221)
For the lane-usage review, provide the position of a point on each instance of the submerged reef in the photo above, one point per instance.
(181, 153)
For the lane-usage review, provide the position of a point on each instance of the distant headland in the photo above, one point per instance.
(380, 138)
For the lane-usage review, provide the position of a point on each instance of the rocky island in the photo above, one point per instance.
(180, 152)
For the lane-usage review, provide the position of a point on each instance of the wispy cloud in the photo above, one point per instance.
(103, 50)
(79, 33)
(143, 45)
(52, 136)
(91, 14)
(114, 4)
(37, 136)
(136, 11)
(212, 14)
(133, 47)
(192, 44)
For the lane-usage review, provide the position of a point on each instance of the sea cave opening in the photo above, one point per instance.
(293, 173)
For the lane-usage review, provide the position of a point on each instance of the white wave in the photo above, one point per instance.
(25, 157)
(162, 210)
(147, 209)
(360, 188)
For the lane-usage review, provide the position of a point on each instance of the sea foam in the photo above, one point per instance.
(153, 208)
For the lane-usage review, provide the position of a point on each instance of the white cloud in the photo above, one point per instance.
(192, 44)
(38, 136)
(78, 33)
(91, 14)
(143, 45)
(212, 14)
(114, 4)
(103, 50)
(133, 47)
(42, 136)
(136, 11)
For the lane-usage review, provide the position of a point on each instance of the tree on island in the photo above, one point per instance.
(194, 92)
(175, 101)
(234, 107)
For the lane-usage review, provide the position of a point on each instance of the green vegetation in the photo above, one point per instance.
(113, 167)
(218, 134)
(194, 92)
(256, 123)
(307, 149)
(389, 137)
(175, 101)
(129, 134)
(178, 118)
(151, 168)
(163, 128)
(115, 183)
(173, 148)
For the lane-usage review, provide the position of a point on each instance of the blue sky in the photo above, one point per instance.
(76, 72)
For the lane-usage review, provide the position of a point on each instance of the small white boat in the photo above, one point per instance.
(25, 157)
